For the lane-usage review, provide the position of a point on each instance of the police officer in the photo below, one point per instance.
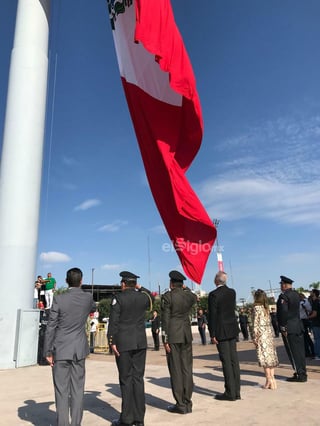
(291, 328)
(176, 307)
(127, 337)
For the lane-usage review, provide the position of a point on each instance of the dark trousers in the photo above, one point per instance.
(275, 328)
(92, 341)
(295, 351)
(156, 340)
(131, 366)
(230, 365)
(180, 368)
(202, 331)
(244, 331)
(308, 343)
(68, 379)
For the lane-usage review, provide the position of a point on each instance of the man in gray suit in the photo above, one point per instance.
(176, 307)
(66, 347)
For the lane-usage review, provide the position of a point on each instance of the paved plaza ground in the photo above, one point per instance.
(27, 398)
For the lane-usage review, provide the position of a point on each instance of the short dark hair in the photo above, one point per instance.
(74, 277)
(176, 284)
(129, 282)
(316, 292)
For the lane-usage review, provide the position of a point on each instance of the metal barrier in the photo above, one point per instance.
(101, 342)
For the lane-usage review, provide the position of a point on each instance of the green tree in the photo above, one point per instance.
(60, 290)
(203, 303)
(156, 306)
(315, 285)
(300, 289)
(104, 308)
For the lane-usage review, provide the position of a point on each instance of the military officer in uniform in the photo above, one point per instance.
(291, 328)
(127, 337)
(176, 307)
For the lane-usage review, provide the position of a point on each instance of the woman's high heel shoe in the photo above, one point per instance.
(270, 384)
(273, 384)
(267, 384)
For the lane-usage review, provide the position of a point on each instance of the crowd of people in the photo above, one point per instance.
(43, 291)
(66, 344)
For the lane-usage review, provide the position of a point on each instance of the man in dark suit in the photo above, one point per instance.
(291, 328)
(127, 337)
(202, 323)
(243, 321)
(155, 328)
(66, 347)
(176, 307)
(223, 329)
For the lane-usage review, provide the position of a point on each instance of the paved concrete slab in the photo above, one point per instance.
(27, 398)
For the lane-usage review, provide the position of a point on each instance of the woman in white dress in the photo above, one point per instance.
(263, 338)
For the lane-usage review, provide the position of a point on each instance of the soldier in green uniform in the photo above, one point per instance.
(176, 307)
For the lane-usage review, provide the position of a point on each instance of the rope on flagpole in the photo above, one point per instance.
(53, 33)
(51, 139)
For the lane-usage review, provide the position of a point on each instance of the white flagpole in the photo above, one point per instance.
(21, 168)
(216, 223)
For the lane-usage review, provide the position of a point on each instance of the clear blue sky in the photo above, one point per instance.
(257, 65)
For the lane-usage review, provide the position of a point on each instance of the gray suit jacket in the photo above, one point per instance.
(65, 336)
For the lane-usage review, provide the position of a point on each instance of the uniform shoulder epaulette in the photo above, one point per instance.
(115, 299)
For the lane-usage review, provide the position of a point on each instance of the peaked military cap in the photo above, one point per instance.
(128, 276)
(286, 280)
(176, 276)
